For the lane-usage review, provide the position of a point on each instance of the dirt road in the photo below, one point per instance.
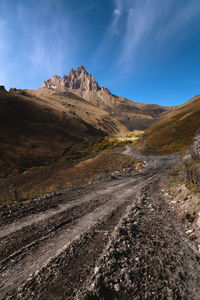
(60, 246)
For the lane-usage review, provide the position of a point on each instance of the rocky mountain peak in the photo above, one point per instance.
(78, 79)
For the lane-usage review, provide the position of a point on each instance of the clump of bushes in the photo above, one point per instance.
(135, 134)
(110, 144)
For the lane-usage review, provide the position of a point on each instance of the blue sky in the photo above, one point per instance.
(145, 50)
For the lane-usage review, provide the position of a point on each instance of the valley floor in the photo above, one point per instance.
(117, 239)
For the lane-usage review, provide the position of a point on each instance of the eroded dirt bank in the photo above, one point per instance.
(116, 239)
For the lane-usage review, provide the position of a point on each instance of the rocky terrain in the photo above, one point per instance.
(117, 239)
(147, 256)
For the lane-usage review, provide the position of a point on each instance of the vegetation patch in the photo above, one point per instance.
(110, 144)
(135, 134)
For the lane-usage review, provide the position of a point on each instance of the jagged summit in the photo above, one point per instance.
(132, 114)
(83, 84)
(78, 79)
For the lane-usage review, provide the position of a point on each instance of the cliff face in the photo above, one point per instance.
(78, 79)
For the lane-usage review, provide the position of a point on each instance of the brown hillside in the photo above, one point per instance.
(176, 131)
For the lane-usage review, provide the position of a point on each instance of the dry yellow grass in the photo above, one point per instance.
(174, 133)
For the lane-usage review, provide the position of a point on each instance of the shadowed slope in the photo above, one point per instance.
(37, 127)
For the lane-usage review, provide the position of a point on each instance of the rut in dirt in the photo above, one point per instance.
(116, 239)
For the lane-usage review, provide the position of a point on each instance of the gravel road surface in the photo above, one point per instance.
(115, 239)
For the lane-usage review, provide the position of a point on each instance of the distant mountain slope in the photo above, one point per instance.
(39, 126)
(132, 114)
(176, 131)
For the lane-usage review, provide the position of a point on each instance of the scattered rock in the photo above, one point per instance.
(189, 231)
(117, 287)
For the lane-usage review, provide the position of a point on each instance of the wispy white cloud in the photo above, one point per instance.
(52, 47)
(48, 51)
(49, 45)
(151, 24)
(116, 12)
(111, 33)
(3, 42)
(37, 44)
(146, 26)
(4, 48)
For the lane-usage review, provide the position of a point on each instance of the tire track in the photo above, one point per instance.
(39, 258)
(36, 258)
(36, 218)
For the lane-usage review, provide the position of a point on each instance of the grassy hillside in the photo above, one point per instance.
(175, 132)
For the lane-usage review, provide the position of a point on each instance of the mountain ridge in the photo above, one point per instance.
(134, 115)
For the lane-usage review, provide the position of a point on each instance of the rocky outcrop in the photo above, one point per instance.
(78, 79)
(2, 89)
(196, 145)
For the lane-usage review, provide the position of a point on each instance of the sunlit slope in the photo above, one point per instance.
(176, 131)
